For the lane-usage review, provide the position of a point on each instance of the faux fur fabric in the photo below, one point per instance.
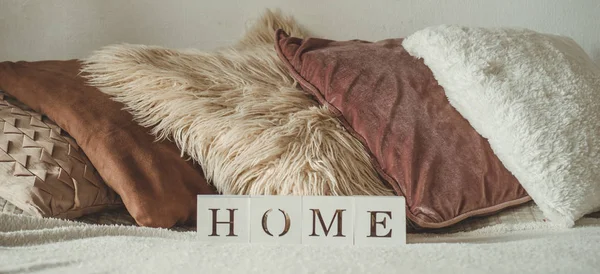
(536, 97)
(239, 114)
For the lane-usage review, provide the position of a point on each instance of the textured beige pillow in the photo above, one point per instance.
(43, 171)
(7, 207)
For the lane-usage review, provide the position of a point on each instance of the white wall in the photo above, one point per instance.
(60, 29)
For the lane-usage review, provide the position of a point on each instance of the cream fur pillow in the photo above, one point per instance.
(239, 114)
(536, 97)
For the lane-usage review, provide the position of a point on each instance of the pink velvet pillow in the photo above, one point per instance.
(419, 143)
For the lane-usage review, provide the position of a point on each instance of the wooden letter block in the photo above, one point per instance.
(379, 220)
(327, 220)
(223, 219)
(276, 219)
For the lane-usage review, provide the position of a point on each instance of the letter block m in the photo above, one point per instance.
(337, 218)
(328, 220)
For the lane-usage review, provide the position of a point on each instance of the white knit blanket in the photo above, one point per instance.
(29, 244)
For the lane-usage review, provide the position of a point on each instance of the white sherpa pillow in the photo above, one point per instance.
(536, 97)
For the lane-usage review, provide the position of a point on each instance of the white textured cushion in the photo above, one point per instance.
(536, 97)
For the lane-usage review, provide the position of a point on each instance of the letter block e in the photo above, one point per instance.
(379, 220)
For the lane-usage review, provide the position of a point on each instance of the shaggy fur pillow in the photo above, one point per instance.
(239, 114)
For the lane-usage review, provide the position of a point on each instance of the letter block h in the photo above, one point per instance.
(228, 219)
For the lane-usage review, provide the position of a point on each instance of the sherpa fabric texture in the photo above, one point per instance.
(239, 114)
(536, 97)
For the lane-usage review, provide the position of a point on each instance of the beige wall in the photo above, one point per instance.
(59, 29)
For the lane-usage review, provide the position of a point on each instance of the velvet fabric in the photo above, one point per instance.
(156, 184)
(418, 142)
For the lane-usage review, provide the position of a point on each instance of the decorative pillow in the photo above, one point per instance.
(419, 143)
(536, 97)
(240, 115)
(157, 186)
(8, 207)
(43, 171)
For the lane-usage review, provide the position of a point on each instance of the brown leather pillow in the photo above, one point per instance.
(157, 186)
(419, 143)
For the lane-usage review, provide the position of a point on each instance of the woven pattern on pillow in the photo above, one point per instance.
(43, 172)
(7, 207)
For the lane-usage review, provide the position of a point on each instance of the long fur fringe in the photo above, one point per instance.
(239, 114)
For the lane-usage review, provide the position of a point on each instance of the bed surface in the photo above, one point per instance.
(34, 244)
